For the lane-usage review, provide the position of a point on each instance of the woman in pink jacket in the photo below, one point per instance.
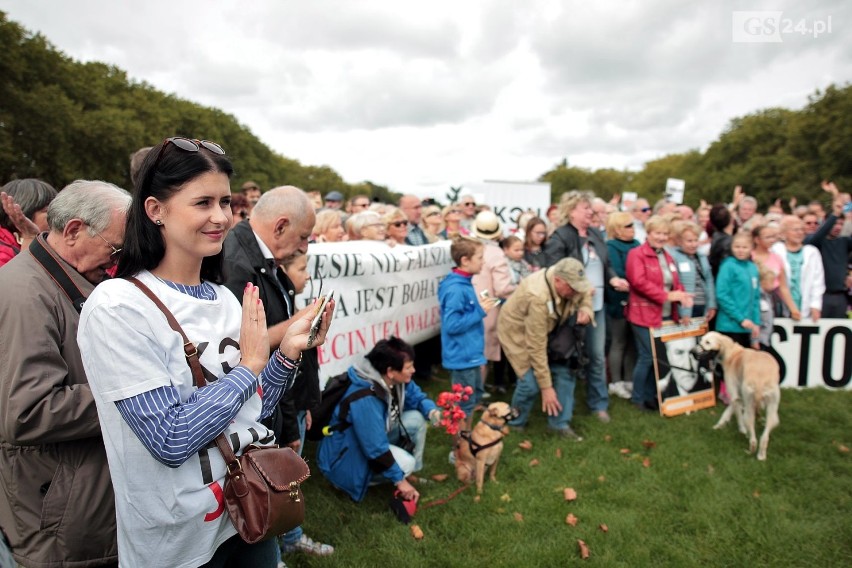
(655, 292)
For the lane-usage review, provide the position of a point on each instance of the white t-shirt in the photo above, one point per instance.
(166, 516)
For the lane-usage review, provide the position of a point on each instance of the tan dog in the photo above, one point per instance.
(481, 447)
(752, 378)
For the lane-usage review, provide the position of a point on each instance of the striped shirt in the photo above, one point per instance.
(172, 430)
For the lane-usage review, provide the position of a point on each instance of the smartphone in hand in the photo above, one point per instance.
(322, 302)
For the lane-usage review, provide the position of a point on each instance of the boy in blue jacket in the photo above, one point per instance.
(462, 330)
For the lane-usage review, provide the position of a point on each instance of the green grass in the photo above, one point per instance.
(701, 501)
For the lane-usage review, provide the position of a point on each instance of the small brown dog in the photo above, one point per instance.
(752, 378)
(481, 447)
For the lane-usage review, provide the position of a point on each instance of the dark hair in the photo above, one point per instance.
(143, 242)
(509, 241)
(31, 194)
(720, 217)
(392, 353)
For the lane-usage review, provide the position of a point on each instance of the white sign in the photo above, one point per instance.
(507, 199)
(380, 291)
(674, 190)
(814, 354)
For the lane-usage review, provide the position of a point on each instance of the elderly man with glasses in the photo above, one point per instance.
(467, 204)
(58, 503)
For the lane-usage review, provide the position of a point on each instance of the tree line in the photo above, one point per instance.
(62, 120)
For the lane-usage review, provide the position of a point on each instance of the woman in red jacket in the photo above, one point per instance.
(655, 292)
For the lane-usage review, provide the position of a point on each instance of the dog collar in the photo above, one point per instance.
(494, 427)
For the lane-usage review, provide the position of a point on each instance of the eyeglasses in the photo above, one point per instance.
(399, 224)
(189, 145)
(382, 225)
(811, 222)
(433, 213)
(115, 251)
(361, 204)
(470, 204)
(645, 209)
(630, 226)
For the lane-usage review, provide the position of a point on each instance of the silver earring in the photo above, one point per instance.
(159, 222)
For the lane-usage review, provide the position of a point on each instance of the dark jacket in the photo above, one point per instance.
(615, 300)
(720, 249)
(56, 496)
(244, 262)
(566, 241)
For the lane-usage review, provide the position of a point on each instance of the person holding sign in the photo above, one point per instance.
(656, 294)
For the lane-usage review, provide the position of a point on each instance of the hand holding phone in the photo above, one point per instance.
(322, 301)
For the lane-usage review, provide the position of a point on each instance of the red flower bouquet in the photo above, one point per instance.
(451, 415)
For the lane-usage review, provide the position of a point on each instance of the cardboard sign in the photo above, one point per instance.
(683, 385)
(674, 190)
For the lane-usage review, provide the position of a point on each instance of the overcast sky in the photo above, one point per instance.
(419, 95)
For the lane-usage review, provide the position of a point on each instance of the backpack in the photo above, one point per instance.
(332, 397)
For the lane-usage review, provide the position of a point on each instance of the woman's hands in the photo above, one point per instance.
(685, 298)
(254, 338)
(296, 337)
(27, 230)
(407, 491)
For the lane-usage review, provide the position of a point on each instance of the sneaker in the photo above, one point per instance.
(307, 545)
(567, 432)
(603, 416)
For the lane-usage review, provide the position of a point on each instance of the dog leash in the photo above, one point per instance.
(445, 500)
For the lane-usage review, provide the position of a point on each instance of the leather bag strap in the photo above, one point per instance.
(191, 353)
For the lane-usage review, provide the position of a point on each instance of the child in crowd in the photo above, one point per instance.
(513, 248)
(462, 328)
(767, 315)
(738, 297)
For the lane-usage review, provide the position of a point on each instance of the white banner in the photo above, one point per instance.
(814, 354)
(380, 291)
(507, 199)
(383, 291)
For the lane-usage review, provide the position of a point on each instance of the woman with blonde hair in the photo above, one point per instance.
(622, 352)
(452, 215)
(396, 225)
(432, 223)
(764, 237)
(328, 227)
(365, 226)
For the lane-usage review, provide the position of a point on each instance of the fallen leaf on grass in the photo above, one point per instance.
(559, 453)
(440, 477)
(569, 494)
(756, 494)
(603, 527)
(477, 498)
(649, 444)
(534, 462)
(525, 445)
(624, 451)
(518, 517)
(416, 532)
(601, 478)
(584, 549)
(710, 469)
(505, 497)
(571, 520)
(607, 438)
(843, 448)
(646, 462)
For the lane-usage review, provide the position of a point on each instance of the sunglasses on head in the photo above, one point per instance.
(469, 204)
(189, 145)
(645, 209)
(399, 223)
(630, 226)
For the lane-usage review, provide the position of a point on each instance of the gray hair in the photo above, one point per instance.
(747, 199)
(93, 202)
(356, 223)
(286, 200)
(31, 194)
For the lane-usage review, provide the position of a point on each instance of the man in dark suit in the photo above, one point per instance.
(279, 227)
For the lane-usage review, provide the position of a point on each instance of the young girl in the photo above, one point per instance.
(738, 293)
(535, 233)
(513, 248)
(157, 425)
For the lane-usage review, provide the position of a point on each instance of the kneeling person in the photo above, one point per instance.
(365, 449)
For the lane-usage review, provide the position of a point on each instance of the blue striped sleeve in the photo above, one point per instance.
(276, 378)
(172, 430)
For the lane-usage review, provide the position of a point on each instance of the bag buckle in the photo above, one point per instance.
(238, 469)
(294, 491)
(186, 351)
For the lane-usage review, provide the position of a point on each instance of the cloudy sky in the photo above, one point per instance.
(419, 95)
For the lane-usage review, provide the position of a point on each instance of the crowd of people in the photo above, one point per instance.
(102, 425)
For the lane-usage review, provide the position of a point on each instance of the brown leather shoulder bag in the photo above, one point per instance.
(262, 493)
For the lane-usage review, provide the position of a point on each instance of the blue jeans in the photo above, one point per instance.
(416, 427)
(644, 380)
(295, 534)
(237, 553)
(597, 395)
(527, 390)
(472, 378)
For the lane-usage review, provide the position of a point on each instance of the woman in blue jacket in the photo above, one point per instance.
(693, 268)
(368, 451)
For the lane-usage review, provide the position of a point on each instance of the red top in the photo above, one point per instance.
(647, 295)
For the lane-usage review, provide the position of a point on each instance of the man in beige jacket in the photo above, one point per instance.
(541, 301)
(57, 506)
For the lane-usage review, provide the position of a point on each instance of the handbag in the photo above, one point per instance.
(262, 493)
(563, 339)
